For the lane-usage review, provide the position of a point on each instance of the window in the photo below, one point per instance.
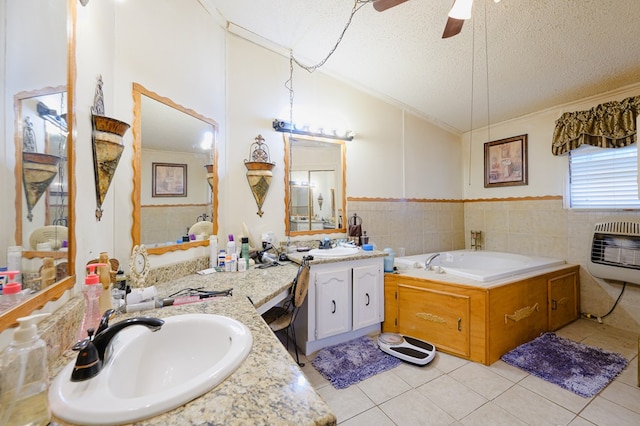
(603, 178)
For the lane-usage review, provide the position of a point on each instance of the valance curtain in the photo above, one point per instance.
(608, 125)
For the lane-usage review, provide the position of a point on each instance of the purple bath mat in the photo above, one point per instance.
(352, 362)
(581, 369)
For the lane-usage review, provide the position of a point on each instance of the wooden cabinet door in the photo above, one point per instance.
(563, 300)
(333, 302)
(438, 317)
(366, 296)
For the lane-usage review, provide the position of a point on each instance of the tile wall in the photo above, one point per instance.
(532, 226)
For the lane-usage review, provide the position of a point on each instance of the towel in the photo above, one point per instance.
(355, 231)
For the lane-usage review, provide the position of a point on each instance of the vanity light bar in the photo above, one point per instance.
(286, 127)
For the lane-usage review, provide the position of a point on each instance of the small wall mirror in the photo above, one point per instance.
(175, 174)
(315, 200)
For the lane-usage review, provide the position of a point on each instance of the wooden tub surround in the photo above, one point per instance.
(480, 321)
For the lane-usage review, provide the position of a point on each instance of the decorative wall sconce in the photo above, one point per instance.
(320, 201)
(209, 168)
(287, 127)
(259, 171)
(107, 146)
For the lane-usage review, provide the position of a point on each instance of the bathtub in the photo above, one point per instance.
(481, 266)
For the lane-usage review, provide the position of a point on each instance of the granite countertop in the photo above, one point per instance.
(361, 254)
(268, 388)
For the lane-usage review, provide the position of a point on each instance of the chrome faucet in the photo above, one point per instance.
(427, 263)
(91, 350)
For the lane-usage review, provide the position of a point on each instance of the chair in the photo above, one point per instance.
(281, 318)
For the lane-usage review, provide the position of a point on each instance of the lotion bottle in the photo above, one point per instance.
(91, 292)
(24, 377)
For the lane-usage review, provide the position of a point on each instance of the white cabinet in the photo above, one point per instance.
(333, 305)
(345, 301)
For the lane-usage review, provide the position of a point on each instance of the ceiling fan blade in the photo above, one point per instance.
(382, 5)
(453, 27)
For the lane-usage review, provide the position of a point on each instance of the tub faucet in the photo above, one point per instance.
(91, 350)
(427, 263)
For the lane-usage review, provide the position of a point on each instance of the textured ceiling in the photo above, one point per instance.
(541, 53)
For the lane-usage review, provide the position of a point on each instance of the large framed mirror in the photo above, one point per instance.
(175, 174)
(39, 83)
(315, 185)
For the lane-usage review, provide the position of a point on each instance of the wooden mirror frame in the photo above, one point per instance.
(138, 91)
(55, 291)
(342, 203)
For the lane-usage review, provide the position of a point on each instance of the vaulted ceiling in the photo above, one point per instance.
(529, 54)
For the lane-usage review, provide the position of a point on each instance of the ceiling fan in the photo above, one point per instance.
(460, 12)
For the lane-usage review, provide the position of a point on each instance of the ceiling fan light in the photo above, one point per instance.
(461, 9)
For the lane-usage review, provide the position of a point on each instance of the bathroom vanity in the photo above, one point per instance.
(480, 321)
(267, 388)
(345, 300)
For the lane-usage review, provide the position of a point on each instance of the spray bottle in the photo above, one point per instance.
(24, 377)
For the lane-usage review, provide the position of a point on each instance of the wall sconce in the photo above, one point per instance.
(287, 127)
(259, 171)
(107, 146)
(320, 200)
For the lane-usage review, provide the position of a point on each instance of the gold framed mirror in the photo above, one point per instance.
(175, 189)
(46, 96)
(315, 185)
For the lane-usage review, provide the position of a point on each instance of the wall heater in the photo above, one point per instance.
(615, 250)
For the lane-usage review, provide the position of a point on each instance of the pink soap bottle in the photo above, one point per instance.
(11, 292)
(91, 292)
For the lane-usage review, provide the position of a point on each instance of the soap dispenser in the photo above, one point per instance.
(91, 292)
(11, 292)
(24, 377)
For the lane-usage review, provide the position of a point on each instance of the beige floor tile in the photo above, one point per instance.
(491, 414)
(481, 379)
(314, 376)
(564, 398)
(372, 417)
(630, 374)
(625, 346)
(384, 386)
(452, 396)
(624, 395)
(416, 375)
(507, 371)
(579, 421)
(447, 363)
(346, 403)
(412, 408)
(532, 408)
(603, 412)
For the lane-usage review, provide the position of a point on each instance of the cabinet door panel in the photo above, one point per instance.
(563, 300)
(440, 318)
(333, 303)
(366, 296)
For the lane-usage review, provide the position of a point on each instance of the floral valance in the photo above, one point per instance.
(608, 125)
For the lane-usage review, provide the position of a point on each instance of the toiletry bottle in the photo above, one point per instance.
(11, 292)
(388, 259)
(231, 245)
(213, 251)
(24, 377)
(245, 252)
(91, 292)
(221, 258)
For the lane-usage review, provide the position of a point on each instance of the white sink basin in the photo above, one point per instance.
(334, 252)
(148, 373)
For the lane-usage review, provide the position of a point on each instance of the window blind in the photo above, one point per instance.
(604, 178)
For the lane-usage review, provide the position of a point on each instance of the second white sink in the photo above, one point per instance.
(148, 373)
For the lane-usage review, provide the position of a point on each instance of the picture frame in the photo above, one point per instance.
(168, 180)
(505, 162)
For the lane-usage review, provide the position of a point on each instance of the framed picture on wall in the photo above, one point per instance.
(169, 180)
(505, 162)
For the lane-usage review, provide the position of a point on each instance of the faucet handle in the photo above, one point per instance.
(104, 322)
(88, 363)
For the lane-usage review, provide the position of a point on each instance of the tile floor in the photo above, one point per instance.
(453, 391)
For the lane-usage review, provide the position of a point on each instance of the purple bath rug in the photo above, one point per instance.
(352, 362)
(581, 369)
